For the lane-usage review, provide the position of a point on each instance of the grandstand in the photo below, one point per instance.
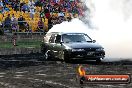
(36, 15)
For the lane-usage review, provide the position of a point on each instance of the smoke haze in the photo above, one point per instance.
(112, 20)
(114, 27)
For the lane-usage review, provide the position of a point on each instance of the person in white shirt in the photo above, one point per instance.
(61, 14)
(31, 2)
(32, 11)
(13, 17)
(1, 3)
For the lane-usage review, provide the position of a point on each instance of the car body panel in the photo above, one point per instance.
(83, 45)
(85, 50)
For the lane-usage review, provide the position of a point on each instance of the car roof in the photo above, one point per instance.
(60, 33)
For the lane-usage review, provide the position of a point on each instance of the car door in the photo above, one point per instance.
(52, 44)
(45, 45)
(58, 46)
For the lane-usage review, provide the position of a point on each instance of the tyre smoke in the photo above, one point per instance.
(107, 21)
(113, 20)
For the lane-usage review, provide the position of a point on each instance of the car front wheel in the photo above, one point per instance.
(65, 57)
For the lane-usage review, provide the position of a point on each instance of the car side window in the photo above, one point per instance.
(52, 38)
(58, 39)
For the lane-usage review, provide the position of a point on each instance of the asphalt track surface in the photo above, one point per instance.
(55, 74)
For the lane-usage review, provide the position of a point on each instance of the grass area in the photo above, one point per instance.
(21, 44)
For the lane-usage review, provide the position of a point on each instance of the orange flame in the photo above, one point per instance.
(81, 71)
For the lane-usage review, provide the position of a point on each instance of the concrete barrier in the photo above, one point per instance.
(11, 51)
(14, 50)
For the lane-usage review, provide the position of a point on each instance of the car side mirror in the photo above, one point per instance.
(94, 41)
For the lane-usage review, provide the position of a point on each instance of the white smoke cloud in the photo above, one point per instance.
(122, 6)
(113, 32)
(75, 25)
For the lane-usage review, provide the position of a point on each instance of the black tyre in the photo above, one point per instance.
(48, 55)
(67, 60)
(65, 57)
(43, 48)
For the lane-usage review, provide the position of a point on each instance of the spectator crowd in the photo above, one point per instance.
(37, 15)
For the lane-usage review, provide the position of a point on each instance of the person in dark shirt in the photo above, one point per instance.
(50, 23)
(25, 7)
(7, 23)
(21, 23)
(41, 25)
(47, 13)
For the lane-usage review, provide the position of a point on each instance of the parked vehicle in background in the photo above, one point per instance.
(67, 46)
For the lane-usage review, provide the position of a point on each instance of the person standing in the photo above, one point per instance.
(41, 27)
(7, 24)
(32, 11)
(1, 6)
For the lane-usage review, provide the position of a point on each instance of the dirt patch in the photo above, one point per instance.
(51, 74)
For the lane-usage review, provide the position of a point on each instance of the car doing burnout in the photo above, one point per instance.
(67, 46)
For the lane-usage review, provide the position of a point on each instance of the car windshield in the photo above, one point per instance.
(75, 37)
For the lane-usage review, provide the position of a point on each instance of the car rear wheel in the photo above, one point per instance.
(48, 55)
(43, 48)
